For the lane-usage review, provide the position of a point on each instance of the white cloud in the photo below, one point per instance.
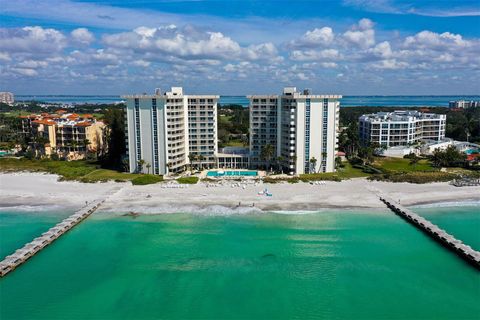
(382, 50)
(83, 36)
(31, 40)
(25, 71)
(429, 39)
(5, 56)
(141, 63)
(390, 64)
(361, 35)
(314, 38)
(187, 43)
(200, 58)
(32, 64)
(314, 55)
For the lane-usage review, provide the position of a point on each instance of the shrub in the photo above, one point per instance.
(415, 177)
(319, 177)
(187, 180)
(147, 179)
(355, 161)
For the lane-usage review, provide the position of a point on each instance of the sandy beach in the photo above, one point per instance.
(36, 190)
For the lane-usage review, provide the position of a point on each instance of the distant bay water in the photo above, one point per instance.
(346, 101)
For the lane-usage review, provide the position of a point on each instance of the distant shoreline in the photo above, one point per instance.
(401, 101)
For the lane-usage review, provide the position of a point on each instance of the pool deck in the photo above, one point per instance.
(260, 174)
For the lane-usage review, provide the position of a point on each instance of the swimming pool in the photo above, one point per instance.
(471, 151)
(232, 174)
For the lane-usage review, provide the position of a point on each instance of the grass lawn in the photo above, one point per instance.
(224, 118)
(107, 174)
(402, 165)
(16, 113)
(188, 180)
(347, 172)
(235, 143)
(84, 171)
(143, 179)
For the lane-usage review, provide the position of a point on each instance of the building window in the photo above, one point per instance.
(137, 130)
(156, 168)
(324, 135)
(307, 136)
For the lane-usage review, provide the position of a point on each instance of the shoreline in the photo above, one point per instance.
(32, 190)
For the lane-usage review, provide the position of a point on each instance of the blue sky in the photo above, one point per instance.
(351, 47)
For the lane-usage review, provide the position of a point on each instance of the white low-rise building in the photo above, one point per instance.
(401, 128)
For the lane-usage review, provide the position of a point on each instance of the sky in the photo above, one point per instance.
(235, 47)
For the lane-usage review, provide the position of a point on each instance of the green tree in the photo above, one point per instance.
(141, 163)
(280, 161)
(313, 164)
(148, 167)
(413, 159)
(114, 137)
(200, 160)
(86, 143)
(338, 162)
(267, 153)
(349, 140)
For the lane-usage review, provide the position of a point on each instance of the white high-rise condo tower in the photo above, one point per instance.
(299, 130)
(165, 132)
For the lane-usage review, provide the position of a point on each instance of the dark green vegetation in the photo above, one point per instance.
(84, 171)
(146, 179)
(10, 131)
(188, 180)
(415, 170)
(114, 155)
(233, 126)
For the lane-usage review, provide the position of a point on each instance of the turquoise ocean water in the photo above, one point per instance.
(347, 101)
(325, 265)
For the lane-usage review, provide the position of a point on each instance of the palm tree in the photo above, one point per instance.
(413, 159)
(313, 164)
(191, 158)
(200, 159)
(125, 163)
(280, 161)
(86, 143)
(148, 168)
(267, 153)
(141, 163)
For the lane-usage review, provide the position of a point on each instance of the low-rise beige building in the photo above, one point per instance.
(68, 135)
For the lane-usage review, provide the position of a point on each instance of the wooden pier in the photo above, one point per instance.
(441, 236)
(30, 249)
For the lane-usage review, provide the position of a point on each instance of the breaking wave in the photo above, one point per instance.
(466, 203)
(34, 208)
(213, 210)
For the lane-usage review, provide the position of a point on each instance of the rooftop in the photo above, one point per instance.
(401, 115)
(63, 119)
